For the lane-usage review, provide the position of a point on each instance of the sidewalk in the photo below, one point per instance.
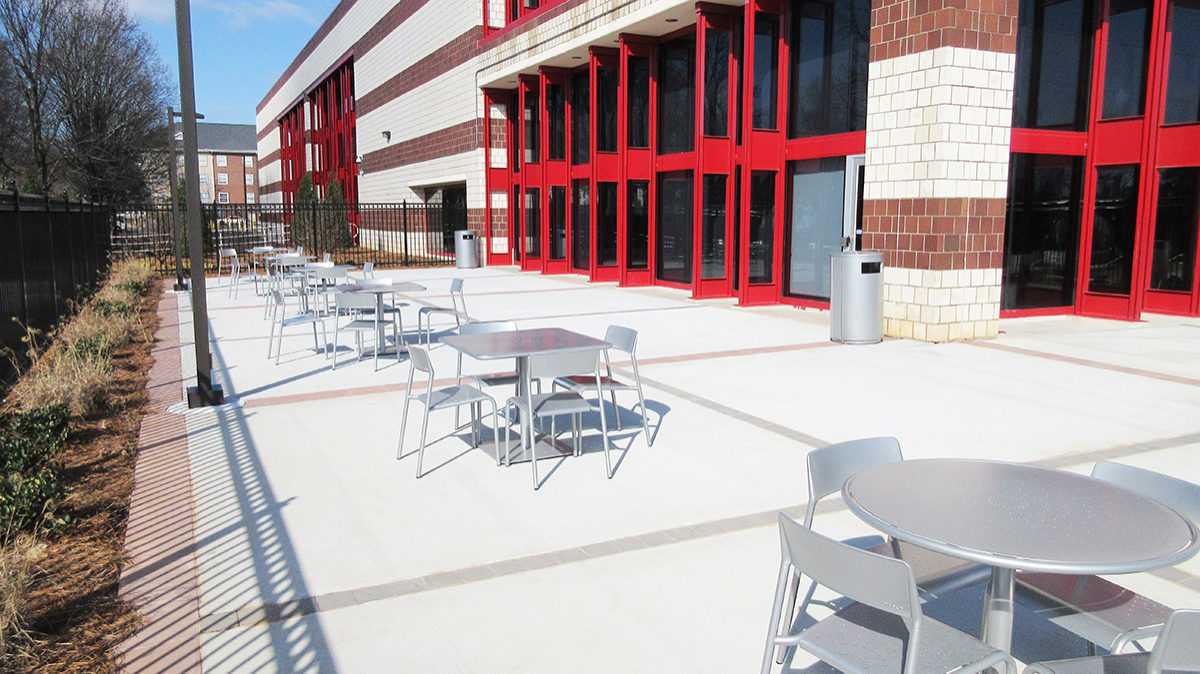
(316, 550)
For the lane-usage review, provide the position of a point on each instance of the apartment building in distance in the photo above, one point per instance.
(228, 162)
(1007, 157)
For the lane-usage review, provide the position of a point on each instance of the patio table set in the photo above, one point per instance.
(954, 524)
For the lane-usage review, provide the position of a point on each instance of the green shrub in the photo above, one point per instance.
(107, 307)
(30, 476)
(135, 287)
(94, 347)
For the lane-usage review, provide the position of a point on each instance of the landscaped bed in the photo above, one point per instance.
(60, 565)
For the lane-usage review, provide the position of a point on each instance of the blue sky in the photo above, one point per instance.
(240, 47)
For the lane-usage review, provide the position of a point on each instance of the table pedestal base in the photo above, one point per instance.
(998, 609)
(547, 448)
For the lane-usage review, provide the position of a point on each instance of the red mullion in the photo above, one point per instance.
(636, 163)
(533, 175)
(715, 155)
(581, 171)
(556, 173)
(1089, 183)
(605, 166)
(1039, 141)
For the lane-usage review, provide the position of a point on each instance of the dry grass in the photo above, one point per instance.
(17, 561)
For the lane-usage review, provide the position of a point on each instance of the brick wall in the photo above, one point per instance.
(900, 27)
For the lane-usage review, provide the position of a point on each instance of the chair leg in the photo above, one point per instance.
(576, 436)
(645, 417)
(271, 340)
(532, 444)
(403, 423)
(776, 614)
(507, 444)
(279, 345)
(335, 347)
(604, 436)
(421, 451)
(612, 395)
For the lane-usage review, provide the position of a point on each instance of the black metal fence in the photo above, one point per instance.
(52, 251)
(400, 234)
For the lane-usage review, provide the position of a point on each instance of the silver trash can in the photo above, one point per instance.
(856, 297)
(466, 255)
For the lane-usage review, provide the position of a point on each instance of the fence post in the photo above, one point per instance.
(312, 207)
(404, 233)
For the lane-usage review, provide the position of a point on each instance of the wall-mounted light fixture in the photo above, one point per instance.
(387, 136)
(361, 169)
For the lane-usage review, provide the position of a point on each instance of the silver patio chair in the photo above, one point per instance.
(238, 272)
(458, 310)
(623, 340)
(1100, 611)
(225, 257)
(389, 309)
(359, 311)
(328, 257)
(864, 635)
(554, 404)
(368, 270)
(1176, 650)
(280, 320)
(321, 284)
(504, 378)
(441, 398)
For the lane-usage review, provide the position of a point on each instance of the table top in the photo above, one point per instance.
(520, 343)
(380, 288)
(259, 250)
(318, 266)
(1020, 516)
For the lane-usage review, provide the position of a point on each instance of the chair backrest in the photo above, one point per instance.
(622, 338)
(419, 356)
(368, 269)
(228, 252)
(881, 582)
(376, 282)
(299, 250)
(486, 327)
(564, 363)
(354, 301)
(456, 285)
(1180, 495)
(277, 306)
(829, 467)
(456, 296)
(1178, 646)
(328, 257)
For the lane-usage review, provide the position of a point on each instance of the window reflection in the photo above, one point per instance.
(674, 234)
(637, 224)
(1175, 229)
(1041, 232)
(676, 96)
(1113, 229)
(639, 102)
(606, 224)
(1053, 65)
(580, 226)
(712, 232)
(762, 227)
(1183, 74)
(1127, 58)
(829, 49)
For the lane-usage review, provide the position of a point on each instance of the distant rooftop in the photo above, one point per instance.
(239, 138)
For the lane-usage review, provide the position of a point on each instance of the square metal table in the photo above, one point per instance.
(1013, 516)
(521, 344)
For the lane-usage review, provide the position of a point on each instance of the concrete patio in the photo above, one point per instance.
(312, 548)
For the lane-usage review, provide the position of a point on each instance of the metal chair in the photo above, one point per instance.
(533, 406)
(1176, 650)
(865, 636)
(624, 340)
(355, 306)
(368, 270)
(389, 309)
(225, 256)
(1099, 610)
(236, 275)
(280, 319)
(458, 309)
(328, 257)
(436, 399)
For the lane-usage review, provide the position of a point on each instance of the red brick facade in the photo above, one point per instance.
(900, 27)
(936, 233)
(442, 143)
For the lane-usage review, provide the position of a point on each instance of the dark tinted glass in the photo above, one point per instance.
(1041, 231)
(766, 66)
(558, 222)
(639, 102)
(1054, 48)
(1183, 69)
(532, 128)
(716, 83)
(606, 224)
(606, 109)
(532, 4)
(762, 226)
(1113, 229)
(556, 122)
(712, 232)
(533, 222)
(515, 214)
(829, 67)
(676, 96)
(1125, 63)
(581, 104)
(637, 224)
(1175, 229)
(674, 245)
(580, 226)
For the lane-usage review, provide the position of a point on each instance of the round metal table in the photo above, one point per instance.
(1013, 517)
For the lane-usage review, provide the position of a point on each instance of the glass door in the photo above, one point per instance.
(826, 217)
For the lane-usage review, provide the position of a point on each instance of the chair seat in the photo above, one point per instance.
(436, 310)
(1133, 663)
(359, 324)
(453, 396)
(859, 638)
(553, 404)
(301, 319)
(582, 382)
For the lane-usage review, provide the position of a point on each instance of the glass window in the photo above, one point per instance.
(606, 224)
(556, 122)
(1054, 51)
(637, 224)
(762, 227)
(1175, 229)
(203, 160)
(580, 118)
(222, 179)
(766, 66)
(249, 197)
(222, 161)
(716, 82)
(639, 102)
(515, 216)
(674, 260)
(1041, 231)
(676, 96)
(532, 127)
(580, 226)
(223, 197)
(1128, 54)
(249, 178)
(606, 109)
(558, 222)
(818, 216)
(1113, 229)
(203, 177)
(712, 228)
(1183, 69)
(829, 49)
(532, 4)
(249, 161)
(533, 222)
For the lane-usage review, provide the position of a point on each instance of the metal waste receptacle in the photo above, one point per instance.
(856, 297)
(466, 255)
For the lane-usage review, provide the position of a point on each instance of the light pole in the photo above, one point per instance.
(203, 393)
(176, 225)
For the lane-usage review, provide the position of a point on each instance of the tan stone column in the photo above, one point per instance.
(939, 115)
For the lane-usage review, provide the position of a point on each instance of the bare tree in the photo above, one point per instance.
(28, 27)
(12, 121)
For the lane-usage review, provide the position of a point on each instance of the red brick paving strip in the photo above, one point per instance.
(160, 579)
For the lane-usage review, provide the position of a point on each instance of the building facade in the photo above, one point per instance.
(1008, 157)
(228, 157)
